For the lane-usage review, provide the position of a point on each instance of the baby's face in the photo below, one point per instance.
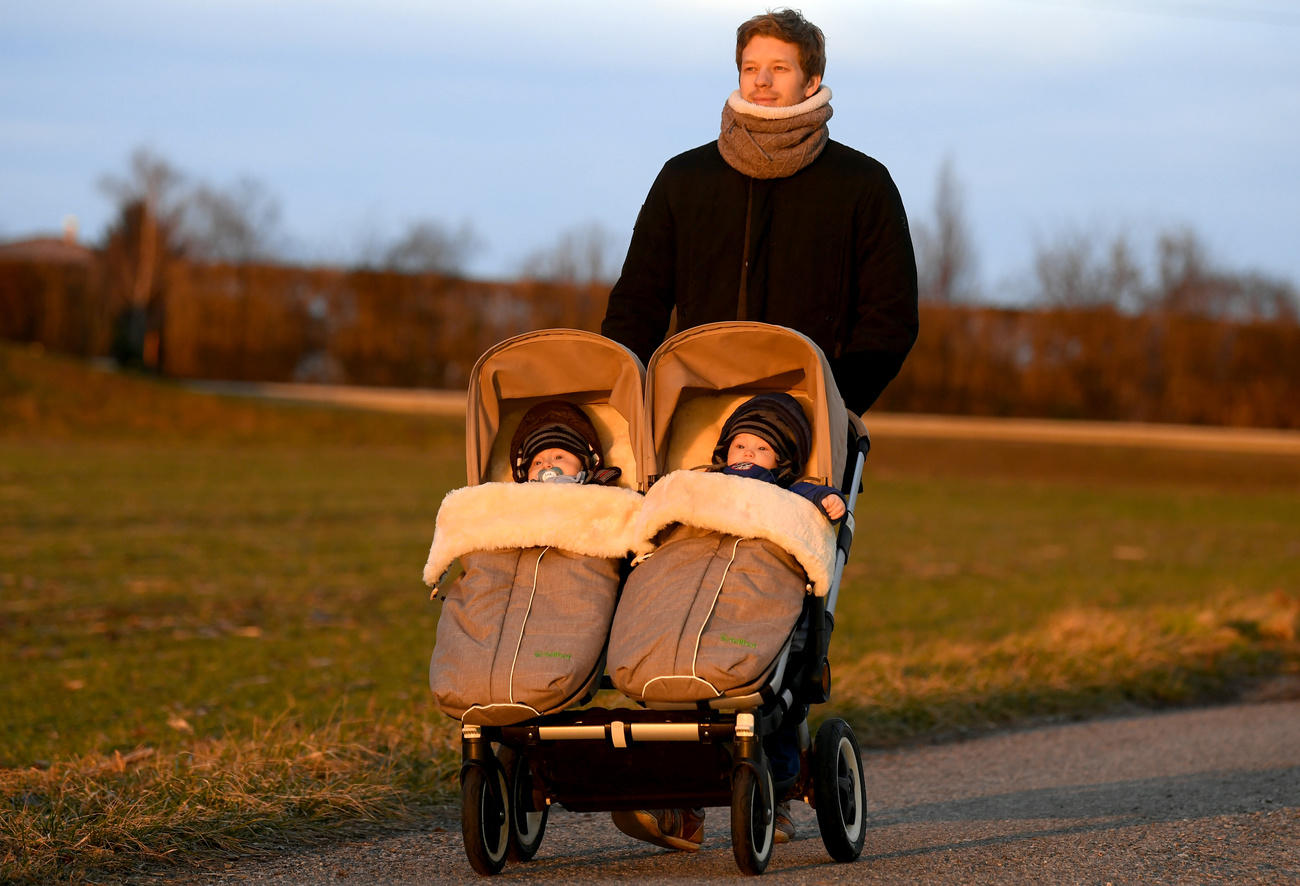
(751, 449)
(566, 461)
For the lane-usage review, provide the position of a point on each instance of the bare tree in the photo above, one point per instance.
(1184, 283)
(1124, 278)
(1260, 297)
(237, 225)
(1188, 283)
(1075, 271)
(138, 246)
(429, 247)
(151, 195)
(583, 255)
(945, 255)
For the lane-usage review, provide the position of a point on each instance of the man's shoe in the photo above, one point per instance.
(783, 825)
(670, 828)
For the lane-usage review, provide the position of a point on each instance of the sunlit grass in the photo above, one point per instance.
(1076, 662)
(146, 585)
(120, 813)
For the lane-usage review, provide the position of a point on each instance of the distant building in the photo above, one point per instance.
(50, 249)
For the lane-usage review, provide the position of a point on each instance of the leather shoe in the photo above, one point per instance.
(670, 828)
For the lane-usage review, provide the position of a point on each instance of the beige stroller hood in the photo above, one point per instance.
(697, 377)
(584, 368)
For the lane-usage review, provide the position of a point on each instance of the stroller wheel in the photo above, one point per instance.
(527, 820)
(840, 790)
(484, 827)
(752, 817)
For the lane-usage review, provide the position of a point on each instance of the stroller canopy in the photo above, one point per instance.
(587, 369)
(698, 376)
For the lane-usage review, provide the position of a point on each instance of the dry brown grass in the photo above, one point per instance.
(1080, 661)
(115, 814)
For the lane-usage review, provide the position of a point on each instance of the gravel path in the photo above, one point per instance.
(1203, 796)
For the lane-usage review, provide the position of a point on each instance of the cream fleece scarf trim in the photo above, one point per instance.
(595, 521)
(748, 508)
(765, 142)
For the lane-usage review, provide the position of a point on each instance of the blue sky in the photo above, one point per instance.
(526, 120)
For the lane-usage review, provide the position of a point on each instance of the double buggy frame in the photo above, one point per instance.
(689, 754)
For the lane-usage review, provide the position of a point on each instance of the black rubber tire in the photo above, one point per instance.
(484, 824)
(752, 818)
(839, 790)
(527, 825)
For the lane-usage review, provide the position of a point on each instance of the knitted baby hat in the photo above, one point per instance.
(778, 419)
(554, 424)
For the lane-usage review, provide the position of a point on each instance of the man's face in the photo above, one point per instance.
(770, 74)
(566, 461)
(752, 449)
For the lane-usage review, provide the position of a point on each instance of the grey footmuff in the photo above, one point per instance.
(523, 628)
(521, 633)
(705, 616)
(709, 612)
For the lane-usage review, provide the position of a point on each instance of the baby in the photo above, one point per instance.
(768, 438)
(556, 443)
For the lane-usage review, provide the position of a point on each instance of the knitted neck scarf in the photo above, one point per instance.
(763, 142)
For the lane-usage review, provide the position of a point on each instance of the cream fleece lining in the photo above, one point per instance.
(595, 521)
(745, 507)
(608, 521)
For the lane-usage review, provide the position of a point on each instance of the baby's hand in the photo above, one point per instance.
(833, 505)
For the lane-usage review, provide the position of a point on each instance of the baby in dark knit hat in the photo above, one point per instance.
(768, 438)
(557, 443)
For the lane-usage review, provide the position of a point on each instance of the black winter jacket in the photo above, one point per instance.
(826, 251)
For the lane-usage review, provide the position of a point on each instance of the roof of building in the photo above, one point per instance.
(54, 250)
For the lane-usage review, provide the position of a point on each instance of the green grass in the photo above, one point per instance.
(213, 634)
(216, 585)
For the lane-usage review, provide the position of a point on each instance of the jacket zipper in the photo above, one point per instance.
(742, 300)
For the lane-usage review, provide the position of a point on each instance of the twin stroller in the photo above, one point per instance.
(563, 582)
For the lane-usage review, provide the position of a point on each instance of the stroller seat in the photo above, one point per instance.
(538, 559)
(708, 618)
(523, 627)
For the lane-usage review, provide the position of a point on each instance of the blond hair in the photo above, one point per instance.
(789, 26)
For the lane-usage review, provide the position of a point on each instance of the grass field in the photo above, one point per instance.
(213, 634)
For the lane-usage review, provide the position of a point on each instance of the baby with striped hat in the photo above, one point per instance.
(768, 438)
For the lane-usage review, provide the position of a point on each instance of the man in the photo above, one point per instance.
(776, 222)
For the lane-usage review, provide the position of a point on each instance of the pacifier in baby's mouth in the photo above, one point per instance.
(555, 475)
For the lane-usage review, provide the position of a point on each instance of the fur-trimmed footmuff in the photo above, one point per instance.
(523, 628)
(709, 612)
